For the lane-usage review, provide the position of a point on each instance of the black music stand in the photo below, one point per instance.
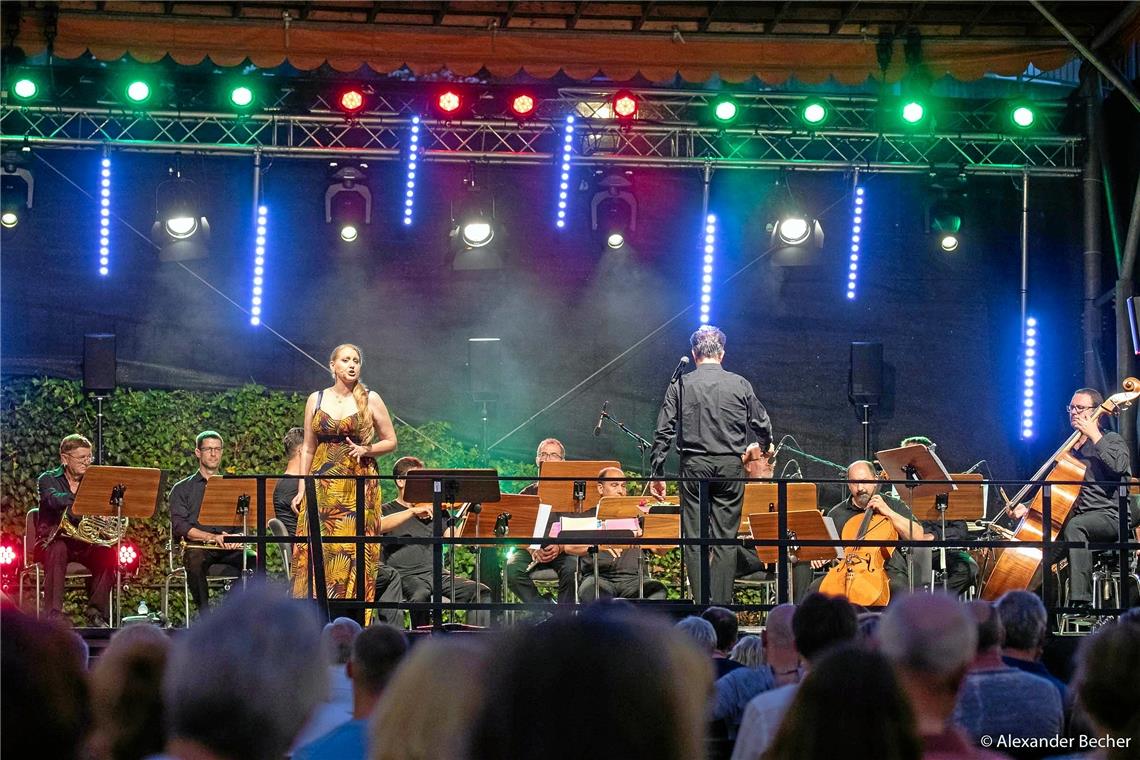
(912, 466)
(966, 502)
(448, 487)
(806, 524)
(123, 493)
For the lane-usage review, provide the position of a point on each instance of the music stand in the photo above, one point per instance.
(120, 492)
(455, 486)
(912, 466)
(806, 524)
(966, 502)
(225, 504)
(662, 524)
(520, 508)
(762, 497)
(559, 494)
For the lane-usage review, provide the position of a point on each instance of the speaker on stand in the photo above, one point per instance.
(99, 371)
(865, 385)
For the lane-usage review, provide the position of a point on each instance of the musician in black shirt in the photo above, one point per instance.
(720, 408)
(57, 490)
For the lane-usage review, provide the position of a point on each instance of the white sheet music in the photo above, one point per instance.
(834, 535)
(540, 524)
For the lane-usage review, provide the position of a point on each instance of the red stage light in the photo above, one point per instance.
(625, 105)
(449, 101)
(8, 555)
(352, 100)
(522, 105)
(128, 558)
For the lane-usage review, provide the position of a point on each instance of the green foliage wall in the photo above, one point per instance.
(156, 428)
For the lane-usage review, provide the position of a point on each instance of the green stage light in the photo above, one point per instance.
(1022, 117)
(813, 113)
(913, 112)
(241, 96)
(725, 110)
(25, 89)
(138, 91)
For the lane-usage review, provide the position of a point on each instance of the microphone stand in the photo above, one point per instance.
(817, 460)
(643, 445)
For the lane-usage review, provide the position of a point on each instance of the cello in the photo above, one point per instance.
(861, 575)
(1016, 567)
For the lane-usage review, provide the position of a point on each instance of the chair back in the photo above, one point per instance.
(30, 536)
(277, 528)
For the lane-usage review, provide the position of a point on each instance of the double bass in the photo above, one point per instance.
(861, 575)
(1016, 568)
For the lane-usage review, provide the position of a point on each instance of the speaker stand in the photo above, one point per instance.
(99, 399)
(866, 432)
(485, 433)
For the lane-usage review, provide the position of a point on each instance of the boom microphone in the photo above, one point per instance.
(601, 418)
(680, 368)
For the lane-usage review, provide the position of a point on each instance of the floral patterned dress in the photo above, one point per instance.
(336, 505)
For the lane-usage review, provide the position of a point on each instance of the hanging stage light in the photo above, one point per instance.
(814, 112)
(946, 221)
(725, 110)
(474, 227)
(241, 96)
(613, 210)
(25, 88)
(797, 238)
(348, 200)
(137, 91)
(625, 105)
(912, 111)
(1022, 116)
(793, 229)
(17, 190)
(351, 100)
(523, 105)
(180, 229)
(449, 103)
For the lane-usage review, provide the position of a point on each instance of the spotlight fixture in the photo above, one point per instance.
(180, 229)
(625, 106)
(129, 558)
(241, 96)
(351, 101)
(945, 212)
(1022, 116)
(912, 111)
(474, 227)
(137, 91)
(613, 209)
(793, 229)
(348, 200)
(17, 190)
(814, 112)
(450, 103)
(523, 105)
(796, 236)
(24, 88)
(725, 110)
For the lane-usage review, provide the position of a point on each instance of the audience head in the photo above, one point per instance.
(986, 618)
(337, 638)
(1023, 618)
(126, 694)
(932, 638)
(699, 631)
(778, 627)
(44, 699)
(725, 624)
(879, 722)
(821, 622)
(1108, 670)
(293, 440)
(749, 651)
(258, 643)
(869, 628)
(641, 689)
(429, 707)
(376, 652)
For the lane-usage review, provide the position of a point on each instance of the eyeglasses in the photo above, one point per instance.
(86, 460)
(553, 456)
(210, 449)
(1076, 408)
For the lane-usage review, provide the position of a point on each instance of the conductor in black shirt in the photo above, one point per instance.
(720, 408)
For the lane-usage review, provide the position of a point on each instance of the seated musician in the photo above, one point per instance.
(522, 564)
(55, 548)
(185, 506)
(961, 570)
(412, 563)
(1093, 516)
(618, 567)
(864, 496)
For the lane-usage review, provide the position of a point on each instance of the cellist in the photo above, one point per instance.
(1093, 516)
(866, 495)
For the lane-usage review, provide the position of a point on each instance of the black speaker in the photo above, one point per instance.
(865, 380)
(99, 363)
(484, 368)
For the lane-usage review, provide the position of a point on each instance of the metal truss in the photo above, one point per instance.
(671, 131)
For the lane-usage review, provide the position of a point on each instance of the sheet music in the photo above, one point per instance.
(540, 524)
(579, 523)
(834, 535)
(942, 471)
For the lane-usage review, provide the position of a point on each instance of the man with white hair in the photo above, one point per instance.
(243, 680)
(337, 639)
(931, 639)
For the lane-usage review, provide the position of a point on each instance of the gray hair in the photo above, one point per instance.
(243, 681)
(749, 651)
(700, 631)
(337, 638)
(928, 633)
(545, 441)
(707, 342)
(1023, 617)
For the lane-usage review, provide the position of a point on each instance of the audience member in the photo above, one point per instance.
(997, 700)
(869, 629)
(336, 709)
(818, 623)
(126, 695)
(1108, 671)
(726, 627)
(44, 710)
(931, 640)
(749, 651)
(780, 645)
(700, 632)
(376, 652)
(1025, 624)
(243, 680)
(429, 707)
(735, 689)
(627, 687)
(878, 723)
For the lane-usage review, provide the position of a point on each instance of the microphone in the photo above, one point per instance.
(974, 467)
(680, 368)
(601, 418)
